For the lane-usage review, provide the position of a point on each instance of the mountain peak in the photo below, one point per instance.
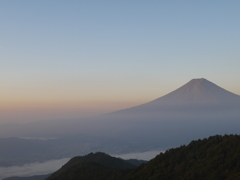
(199, 80)
(199, 91)
(196, 83)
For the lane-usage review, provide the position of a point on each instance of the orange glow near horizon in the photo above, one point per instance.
(22, 113)
(21, 104)
(31, 104)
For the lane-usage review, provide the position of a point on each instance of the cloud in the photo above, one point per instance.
(32, 169)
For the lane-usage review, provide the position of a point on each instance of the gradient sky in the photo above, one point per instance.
(68, 59)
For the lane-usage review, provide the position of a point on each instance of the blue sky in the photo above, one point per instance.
(93, 57)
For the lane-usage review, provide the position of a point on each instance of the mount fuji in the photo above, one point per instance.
(196, 110)
(199, 98)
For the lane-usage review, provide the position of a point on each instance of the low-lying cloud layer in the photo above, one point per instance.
(32, 169)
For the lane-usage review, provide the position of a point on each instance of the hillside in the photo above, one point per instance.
(216, 157)
(92, 166)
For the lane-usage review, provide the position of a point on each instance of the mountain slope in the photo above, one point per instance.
(216, 157)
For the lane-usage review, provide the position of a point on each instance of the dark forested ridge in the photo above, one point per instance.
(93, 166)
(216, 157)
